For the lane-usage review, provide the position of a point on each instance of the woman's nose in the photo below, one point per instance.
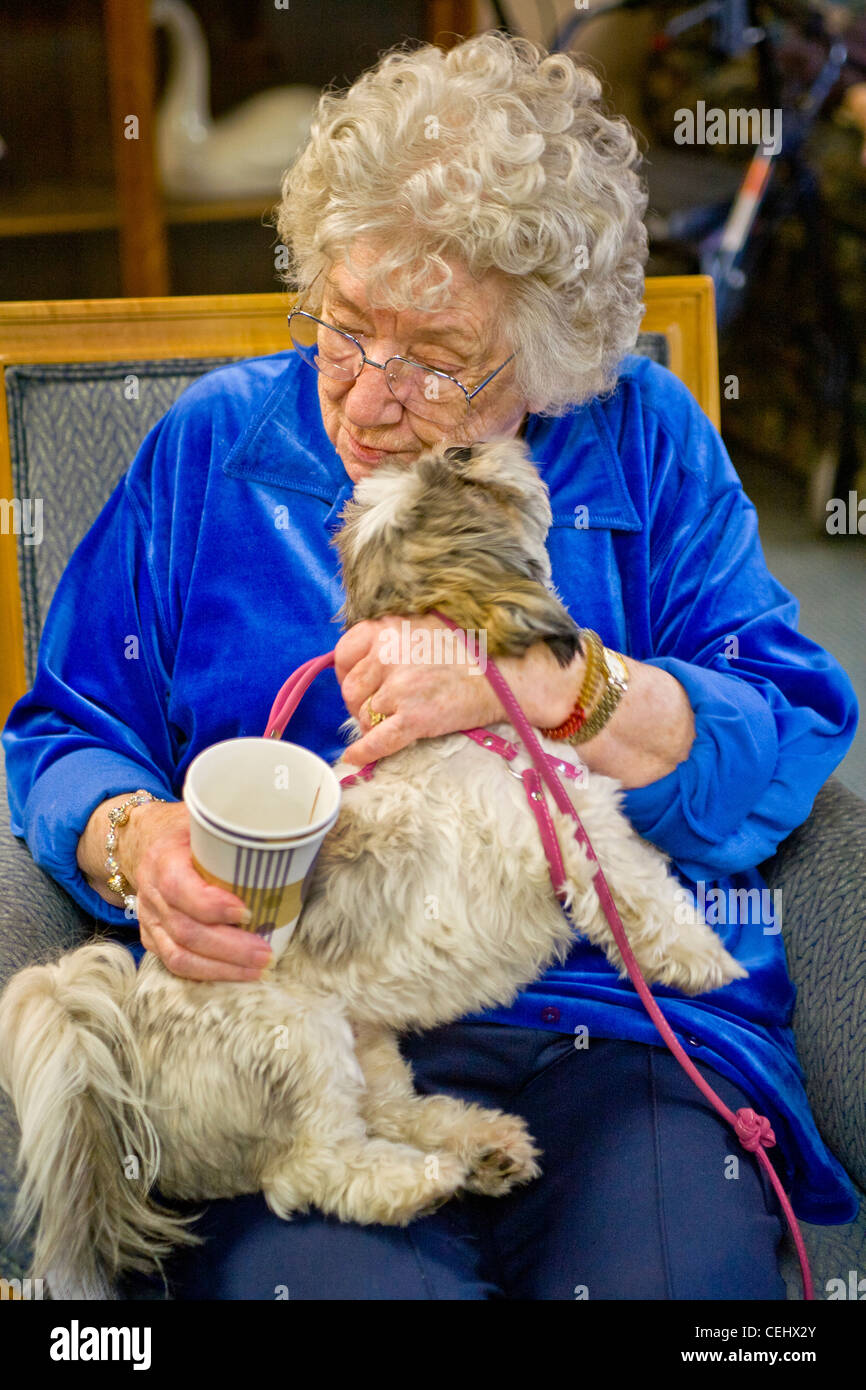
(369, 401)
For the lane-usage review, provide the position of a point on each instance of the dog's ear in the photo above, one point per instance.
(564, 644)
(504, 467)
(459, 453)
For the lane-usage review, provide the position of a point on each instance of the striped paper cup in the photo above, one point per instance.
(259, 810)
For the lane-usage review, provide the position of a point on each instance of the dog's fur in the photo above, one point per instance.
(431, 899)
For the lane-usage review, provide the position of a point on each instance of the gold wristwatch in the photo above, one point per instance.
(616, 684)
(617, 668)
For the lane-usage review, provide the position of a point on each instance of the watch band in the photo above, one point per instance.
(617, 680)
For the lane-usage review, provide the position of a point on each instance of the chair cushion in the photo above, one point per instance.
(74, 429)
(654, 345)
(38, 922)
(821, 871)
(833, 1253)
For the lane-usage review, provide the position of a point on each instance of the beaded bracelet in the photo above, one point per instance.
(119, 815)
(594, 676)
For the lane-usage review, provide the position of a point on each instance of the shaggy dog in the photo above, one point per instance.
(295, 1086)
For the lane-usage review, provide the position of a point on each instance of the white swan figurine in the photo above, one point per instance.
(244, 153)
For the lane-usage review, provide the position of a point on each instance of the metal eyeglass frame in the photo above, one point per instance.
(397, 357)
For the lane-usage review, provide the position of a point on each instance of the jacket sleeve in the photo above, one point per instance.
(774, 712)
(95, 722)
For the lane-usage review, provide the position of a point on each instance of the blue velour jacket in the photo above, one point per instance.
(209, 576)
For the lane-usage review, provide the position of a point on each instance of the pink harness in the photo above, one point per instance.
(752, 1130)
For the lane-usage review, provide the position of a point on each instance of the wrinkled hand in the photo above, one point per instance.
(182, 918)
(425, 700)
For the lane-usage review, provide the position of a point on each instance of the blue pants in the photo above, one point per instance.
(633, 1202)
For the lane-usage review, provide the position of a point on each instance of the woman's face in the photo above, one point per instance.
(364, 422)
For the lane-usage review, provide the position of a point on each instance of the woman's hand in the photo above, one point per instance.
(423, 699)
(181, 917)
(650, 732)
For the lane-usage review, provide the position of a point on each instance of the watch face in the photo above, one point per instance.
(616, 666)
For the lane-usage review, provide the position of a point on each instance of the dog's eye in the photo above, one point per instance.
(459, 453)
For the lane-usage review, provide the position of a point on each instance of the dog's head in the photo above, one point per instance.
(463, 531)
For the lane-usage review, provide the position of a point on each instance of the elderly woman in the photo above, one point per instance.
(466, 230)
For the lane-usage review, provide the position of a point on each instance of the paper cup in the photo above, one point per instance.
(259, 810)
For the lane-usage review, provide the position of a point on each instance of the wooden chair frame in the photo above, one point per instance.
(249, 325)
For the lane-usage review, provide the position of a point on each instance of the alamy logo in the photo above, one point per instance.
(21, 1288)
(76, 1343)
(855, 1288)
(737, 127)
(23, 517)
(437, 648)
(720, 906)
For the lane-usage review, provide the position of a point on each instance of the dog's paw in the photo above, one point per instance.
(444, 1176)
(694, 962)
(502, 1156)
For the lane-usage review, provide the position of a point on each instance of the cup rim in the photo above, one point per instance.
(232, 829)
(229, 837)
(232, 837)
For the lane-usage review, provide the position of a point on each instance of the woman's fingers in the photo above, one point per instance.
(202, 930)
(197, 950)
(420, 698)
(382, 740)
(439, 704)
(189, 923)
(361, 683)
(168, 865)
(355, 644)
(190, 964)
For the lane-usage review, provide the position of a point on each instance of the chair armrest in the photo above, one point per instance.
(38, 918)
(821, 871)
(38, 922)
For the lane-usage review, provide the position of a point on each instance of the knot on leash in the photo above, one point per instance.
(754, 1131)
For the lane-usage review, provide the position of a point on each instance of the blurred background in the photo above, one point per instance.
(141, 144)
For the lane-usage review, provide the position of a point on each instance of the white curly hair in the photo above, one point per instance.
(499, 155)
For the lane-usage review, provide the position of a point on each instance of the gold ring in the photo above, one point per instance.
(374, 716)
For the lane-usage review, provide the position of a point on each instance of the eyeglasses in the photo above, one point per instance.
(423, 391)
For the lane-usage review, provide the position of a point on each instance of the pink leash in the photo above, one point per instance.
(752, 1130)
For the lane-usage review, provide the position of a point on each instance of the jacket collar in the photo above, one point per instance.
(285, 444)
(576, 456)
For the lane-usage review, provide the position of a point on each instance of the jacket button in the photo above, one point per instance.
(695, 1042)
(550, 1014)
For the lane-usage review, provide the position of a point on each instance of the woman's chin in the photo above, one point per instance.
(358, 470)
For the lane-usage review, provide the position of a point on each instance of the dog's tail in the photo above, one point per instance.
(89, 1154)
